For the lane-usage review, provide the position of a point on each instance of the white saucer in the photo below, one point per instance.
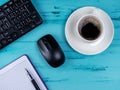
(89, 48)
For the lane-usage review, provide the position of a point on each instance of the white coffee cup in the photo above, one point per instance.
(89, 30)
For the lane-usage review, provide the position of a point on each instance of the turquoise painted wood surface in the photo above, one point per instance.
(79, 72)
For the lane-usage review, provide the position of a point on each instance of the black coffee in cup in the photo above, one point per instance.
(89, 28)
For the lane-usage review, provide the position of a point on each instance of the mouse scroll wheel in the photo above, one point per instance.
(48, 46)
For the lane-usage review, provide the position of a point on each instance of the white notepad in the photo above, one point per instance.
(15, 77)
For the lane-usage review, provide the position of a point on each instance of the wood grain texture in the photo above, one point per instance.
(79, 72)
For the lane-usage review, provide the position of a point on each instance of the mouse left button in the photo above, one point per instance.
(41, 45)
(47, 44)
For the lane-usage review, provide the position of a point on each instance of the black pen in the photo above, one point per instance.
(33, 81)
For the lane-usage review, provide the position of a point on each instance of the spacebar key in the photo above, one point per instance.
(9, 32)
(24, 30)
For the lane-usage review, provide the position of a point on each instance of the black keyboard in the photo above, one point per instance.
(17, 17)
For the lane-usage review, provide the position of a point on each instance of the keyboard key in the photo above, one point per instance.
(22, 32)
(8, 37)
(9, 32)
(28, 20)
(15, 20)
(36, 19)
(18, 2)
(29, 8)
(6, 34)
(10, 3)
(1, 30)
(20, 17)
(14, 7)
(8, 24)
(11, 15)
(2, 14)
(22, 9)
(4, 42)
(5, 6)
(5, 27)
(1, 23)
(18, 26)
(10, 40)
(4, 20)
(1, 37)
(25, 14)
(26, 28)
(14, 35)
(11, 8)
(8, 10)
(17, 12)
(25, 1)
(32, 24)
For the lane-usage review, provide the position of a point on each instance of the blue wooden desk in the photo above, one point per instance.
(79, 72)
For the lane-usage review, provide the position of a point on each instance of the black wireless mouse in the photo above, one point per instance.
(51, 50)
